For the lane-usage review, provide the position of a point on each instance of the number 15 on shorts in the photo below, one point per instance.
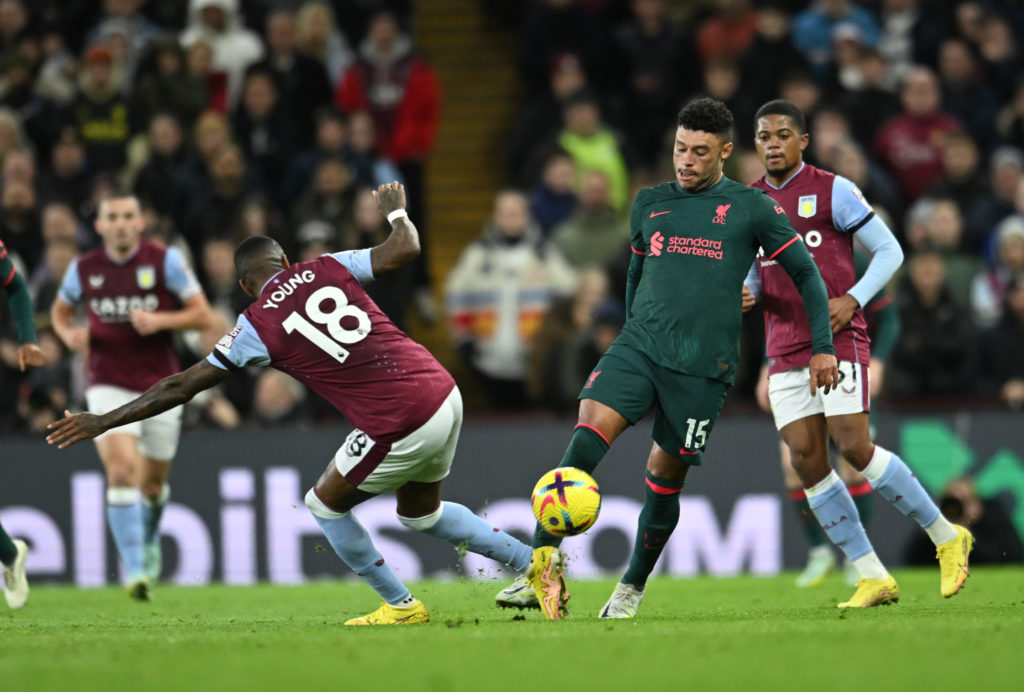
(696, 434)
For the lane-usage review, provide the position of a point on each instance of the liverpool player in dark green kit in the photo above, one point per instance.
(693, 241)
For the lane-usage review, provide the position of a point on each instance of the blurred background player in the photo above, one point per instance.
(137, 294)
(827, 210)
(314, 321)
(692, 239)
(14, 552)
(883, 318)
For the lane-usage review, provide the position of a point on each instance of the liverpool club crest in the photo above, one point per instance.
(146, 276)
(807, 206)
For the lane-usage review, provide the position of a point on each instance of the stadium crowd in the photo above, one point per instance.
(232, 118)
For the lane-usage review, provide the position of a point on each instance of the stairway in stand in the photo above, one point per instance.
(479, 85)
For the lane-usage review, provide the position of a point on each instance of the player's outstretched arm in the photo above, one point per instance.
(403, 243)
(166, 394)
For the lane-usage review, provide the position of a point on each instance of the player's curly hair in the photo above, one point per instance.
(707, 115)
(784, 108)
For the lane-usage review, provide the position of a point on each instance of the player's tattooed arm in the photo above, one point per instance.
(166, 394)
(403, 243)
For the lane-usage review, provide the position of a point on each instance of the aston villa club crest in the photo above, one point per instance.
(146, 276)
(807, 206)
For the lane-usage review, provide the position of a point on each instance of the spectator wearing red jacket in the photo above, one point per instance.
(394, 83)
(910, 144)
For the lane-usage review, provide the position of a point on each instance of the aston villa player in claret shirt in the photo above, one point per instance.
(828, 210)
(136, 293)
(314, 321)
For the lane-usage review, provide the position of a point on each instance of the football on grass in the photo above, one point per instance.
(566, 501)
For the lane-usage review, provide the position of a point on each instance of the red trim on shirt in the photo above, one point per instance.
(635, 251)
(776, 253)
(10, 277)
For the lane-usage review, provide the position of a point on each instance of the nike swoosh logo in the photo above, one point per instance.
(659, 213)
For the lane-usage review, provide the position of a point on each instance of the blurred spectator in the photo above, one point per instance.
(58, 70)
(330, 140)
(211, 137)
(45, 280)
(1007, 170)
(937, 224)
(20, 224)
(770, 55)
(19, 167)
(263, 129)
(989, 292)
(101, 113)
(540, 117)
(721, 81)
(121, 19)
(996, 540)
(594, 146)
(302, 83)
(158, 183)
(220, 283)
(655, 68)
(164, 85)
(1010, 119)
(218, 212)
(874, 103)
(595, 233)
(393, 83)
(279, 400)
(850, 161)
(812, 31)
(909, 36)
(728, 32)
(553, 197)
(67, 179)
(497, 295)
(369, 166)
(960, 180)
(232, 46)
(1000, 350)
(14, 25)
(1000, 54)
(828, 127)
(317, 35)
(12, 135)
(910, 145)
(555, 28)
(330, 199)
(199, 66)
(964, 96)
(563, 354)
(801, 90)
(932, 356)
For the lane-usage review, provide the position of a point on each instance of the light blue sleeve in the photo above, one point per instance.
(239, 348)
(849, 208)
(357, 262)
(886, 258)
(181, 280)
(753, 280)
(71, 286)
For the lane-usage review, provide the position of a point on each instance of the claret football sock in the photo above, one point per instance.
(892, 478)
(658, 519)
(355, 547)
(585, 451)
(8, 551)
(454, 523)
(124, 515)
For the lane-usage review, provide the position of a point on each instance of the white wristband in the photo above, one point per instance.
(397, 214)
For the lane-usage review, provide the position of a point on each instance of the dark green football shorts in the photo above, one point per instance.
(687, 406)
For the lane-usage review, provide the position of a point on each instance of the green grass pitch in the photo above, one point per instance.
(744, 633)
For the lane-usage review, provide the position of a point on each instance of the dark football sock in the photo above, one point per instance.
(813, 533)
(8, 551)
(585, 451)
(657, 521)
